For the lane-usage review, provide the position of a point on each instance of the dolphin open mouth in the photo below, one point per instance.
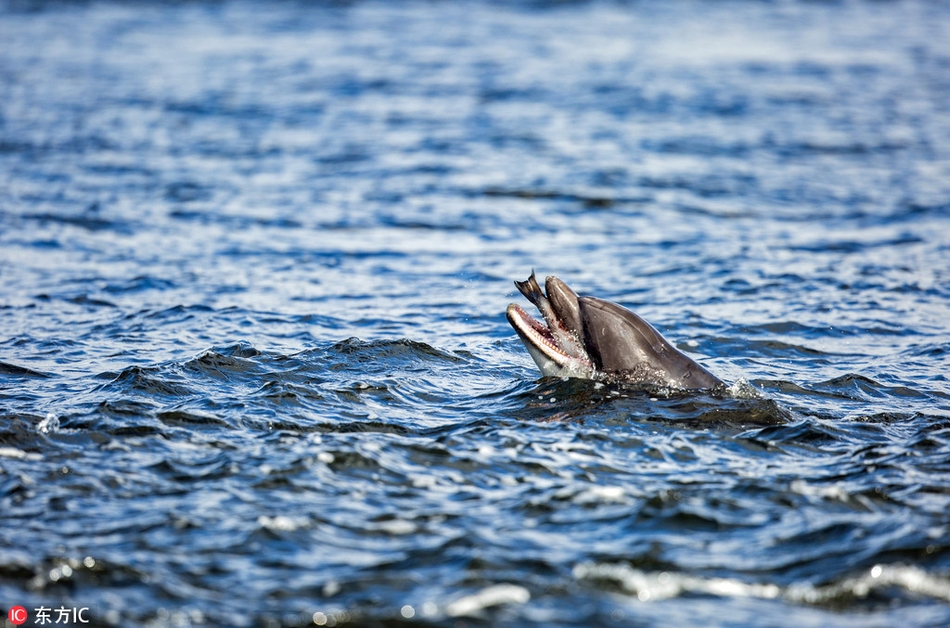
(590, 338)
(543, 347)
(556, 344)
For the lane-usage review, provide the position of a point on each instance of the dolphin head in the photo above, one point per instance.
(590, 338)
(556, 344)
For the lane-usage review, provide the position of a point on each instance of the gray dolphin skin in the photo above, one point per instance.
(589, 338)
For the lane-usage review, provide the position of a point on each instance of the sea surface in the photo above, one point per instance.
(254, 263)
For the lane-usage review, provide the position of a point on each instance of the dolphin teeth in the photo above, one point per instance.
(543, 346)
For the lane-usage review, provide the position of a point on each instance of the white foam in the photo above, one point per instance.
(13, 452)
(654, 586)
(487, 597)
(396, 527)
(281, 523)
(742, 389)
(48, 424)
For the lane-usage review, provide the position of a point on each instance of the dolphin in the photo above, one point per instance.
(589, 338)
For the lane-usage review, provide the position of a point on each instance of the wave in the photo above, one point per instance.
(908, 581)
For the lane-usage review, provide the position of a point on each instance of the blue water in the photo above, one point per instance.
(254, 263)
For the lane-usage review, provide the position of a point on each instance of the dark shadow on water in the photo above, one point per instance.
(554, 399)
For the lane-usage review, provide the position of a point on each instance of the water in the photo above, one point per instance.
(254, 365)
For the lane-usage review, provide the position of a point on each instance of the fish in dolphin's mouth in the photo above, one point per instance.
(589, 338)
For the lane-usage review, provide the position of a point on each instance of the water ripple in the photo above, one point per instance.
(255, 368)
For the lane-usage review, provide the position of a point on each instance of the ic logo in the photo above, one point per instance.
(17, 615)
